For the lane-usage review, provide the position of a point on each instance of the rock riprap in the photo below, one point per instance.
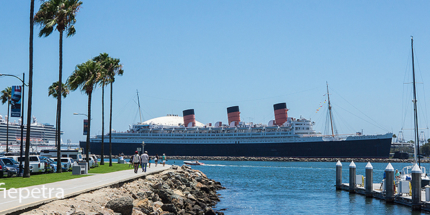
(176, 191)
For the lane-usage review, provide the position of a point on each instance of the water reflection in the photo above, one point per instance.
(256, 187)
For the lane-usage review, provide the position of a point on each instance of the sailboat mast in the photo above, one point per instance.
(138, 103)
(417, 143)
(329, 110)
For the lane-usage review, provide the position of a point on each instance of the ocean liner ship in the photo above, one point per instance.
(283, 137)
(41, 134)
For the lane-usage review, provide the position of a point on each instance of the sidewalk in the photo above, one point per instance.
(72, 187)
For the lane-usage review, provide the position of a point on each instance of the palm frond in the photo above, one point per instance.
(85, 77)
(58, 14)
(53, 90)
(6, 95)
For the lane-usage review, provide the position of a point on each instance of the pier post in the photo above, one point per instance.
(338, 175)
(352, 173)
(416, 188)
(369, 180)
(389, 183)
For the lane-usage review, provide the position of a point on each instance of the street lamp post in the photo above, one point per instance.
(88, 144)
(143, 147)
(22, 120)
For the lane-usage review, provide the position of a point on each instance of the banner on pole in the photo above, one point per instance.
(16, 101)
(85, 126)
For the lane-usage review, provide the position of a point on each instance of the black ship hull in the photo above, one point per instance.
(370, 148)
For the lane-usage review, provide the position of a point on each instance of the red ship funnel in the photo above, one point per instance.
(189, 118)
(233, 115)
(281, 114)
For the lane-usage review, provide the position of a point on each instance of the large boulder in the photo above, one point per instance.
(123, 205)
(165, 195)
(169, 207)
(145, 206)
(158, 204)
(140, 195)
(209, 211)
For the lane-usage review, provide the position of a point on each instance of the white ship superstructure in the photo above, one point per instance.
(40, 133)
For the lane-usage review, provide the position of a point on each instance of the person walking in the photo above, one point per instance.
(156, 159)
(136, 160)
(164, 159)
(149, 162)
(144, 161)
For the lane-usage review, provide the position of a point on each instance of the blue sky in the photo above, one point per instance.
(209, 55)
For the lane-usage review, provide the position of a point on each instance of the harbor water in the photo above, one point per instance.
(262, 187)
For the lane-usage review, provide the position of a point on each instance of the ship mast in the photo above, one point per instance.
(138, 103)
(417, 144)
(329, 110)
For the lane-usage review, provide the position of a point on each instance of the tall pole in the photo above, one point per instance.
(102, 160)
(138, 103)
(417, 144)
(7, 125)
(30, 95)
(22, 126)
(60, 85)
(110, 126)
(89, 130)
(329, 110)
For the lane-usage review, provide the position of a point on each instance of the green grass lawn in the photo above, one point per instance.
(106, 168)
(17, 182)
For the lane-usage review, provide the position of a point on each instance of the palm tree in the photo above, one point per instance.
(103, 82)
(58, 14)
(30, 94)
(116, 69)
(111, 67)
(53, 90)
(5, 97)
(85, 77)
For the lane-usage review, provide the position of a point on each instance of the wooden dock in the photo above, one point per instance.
(403, 199)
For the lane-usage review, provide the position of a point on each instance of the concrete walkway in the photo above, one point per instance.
(11, 202)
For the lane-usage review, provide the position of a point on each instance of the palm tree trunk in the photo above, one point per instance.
(30, 94)
(89, 128)
(102, 162)
(7, 127)
(60, 83)
(110, 127)
(56, 129)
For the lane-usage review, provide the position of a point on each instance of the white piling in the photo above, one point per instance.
(352, 173)
(389, 183)
(369, 180)
(338, 175)
(416, 188)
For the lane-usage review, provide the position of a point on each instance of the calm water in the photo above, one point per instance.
(256, 187)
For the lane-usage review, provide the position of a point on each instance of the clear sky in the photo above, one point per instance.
(209, 55)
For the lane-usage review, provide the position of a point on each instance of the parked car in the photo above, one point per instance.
(92, 162)
(10, 165)
(35, 163)
(66, 163)
(96, 163)
(2, 169)
(64, 166)
(50, 165)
